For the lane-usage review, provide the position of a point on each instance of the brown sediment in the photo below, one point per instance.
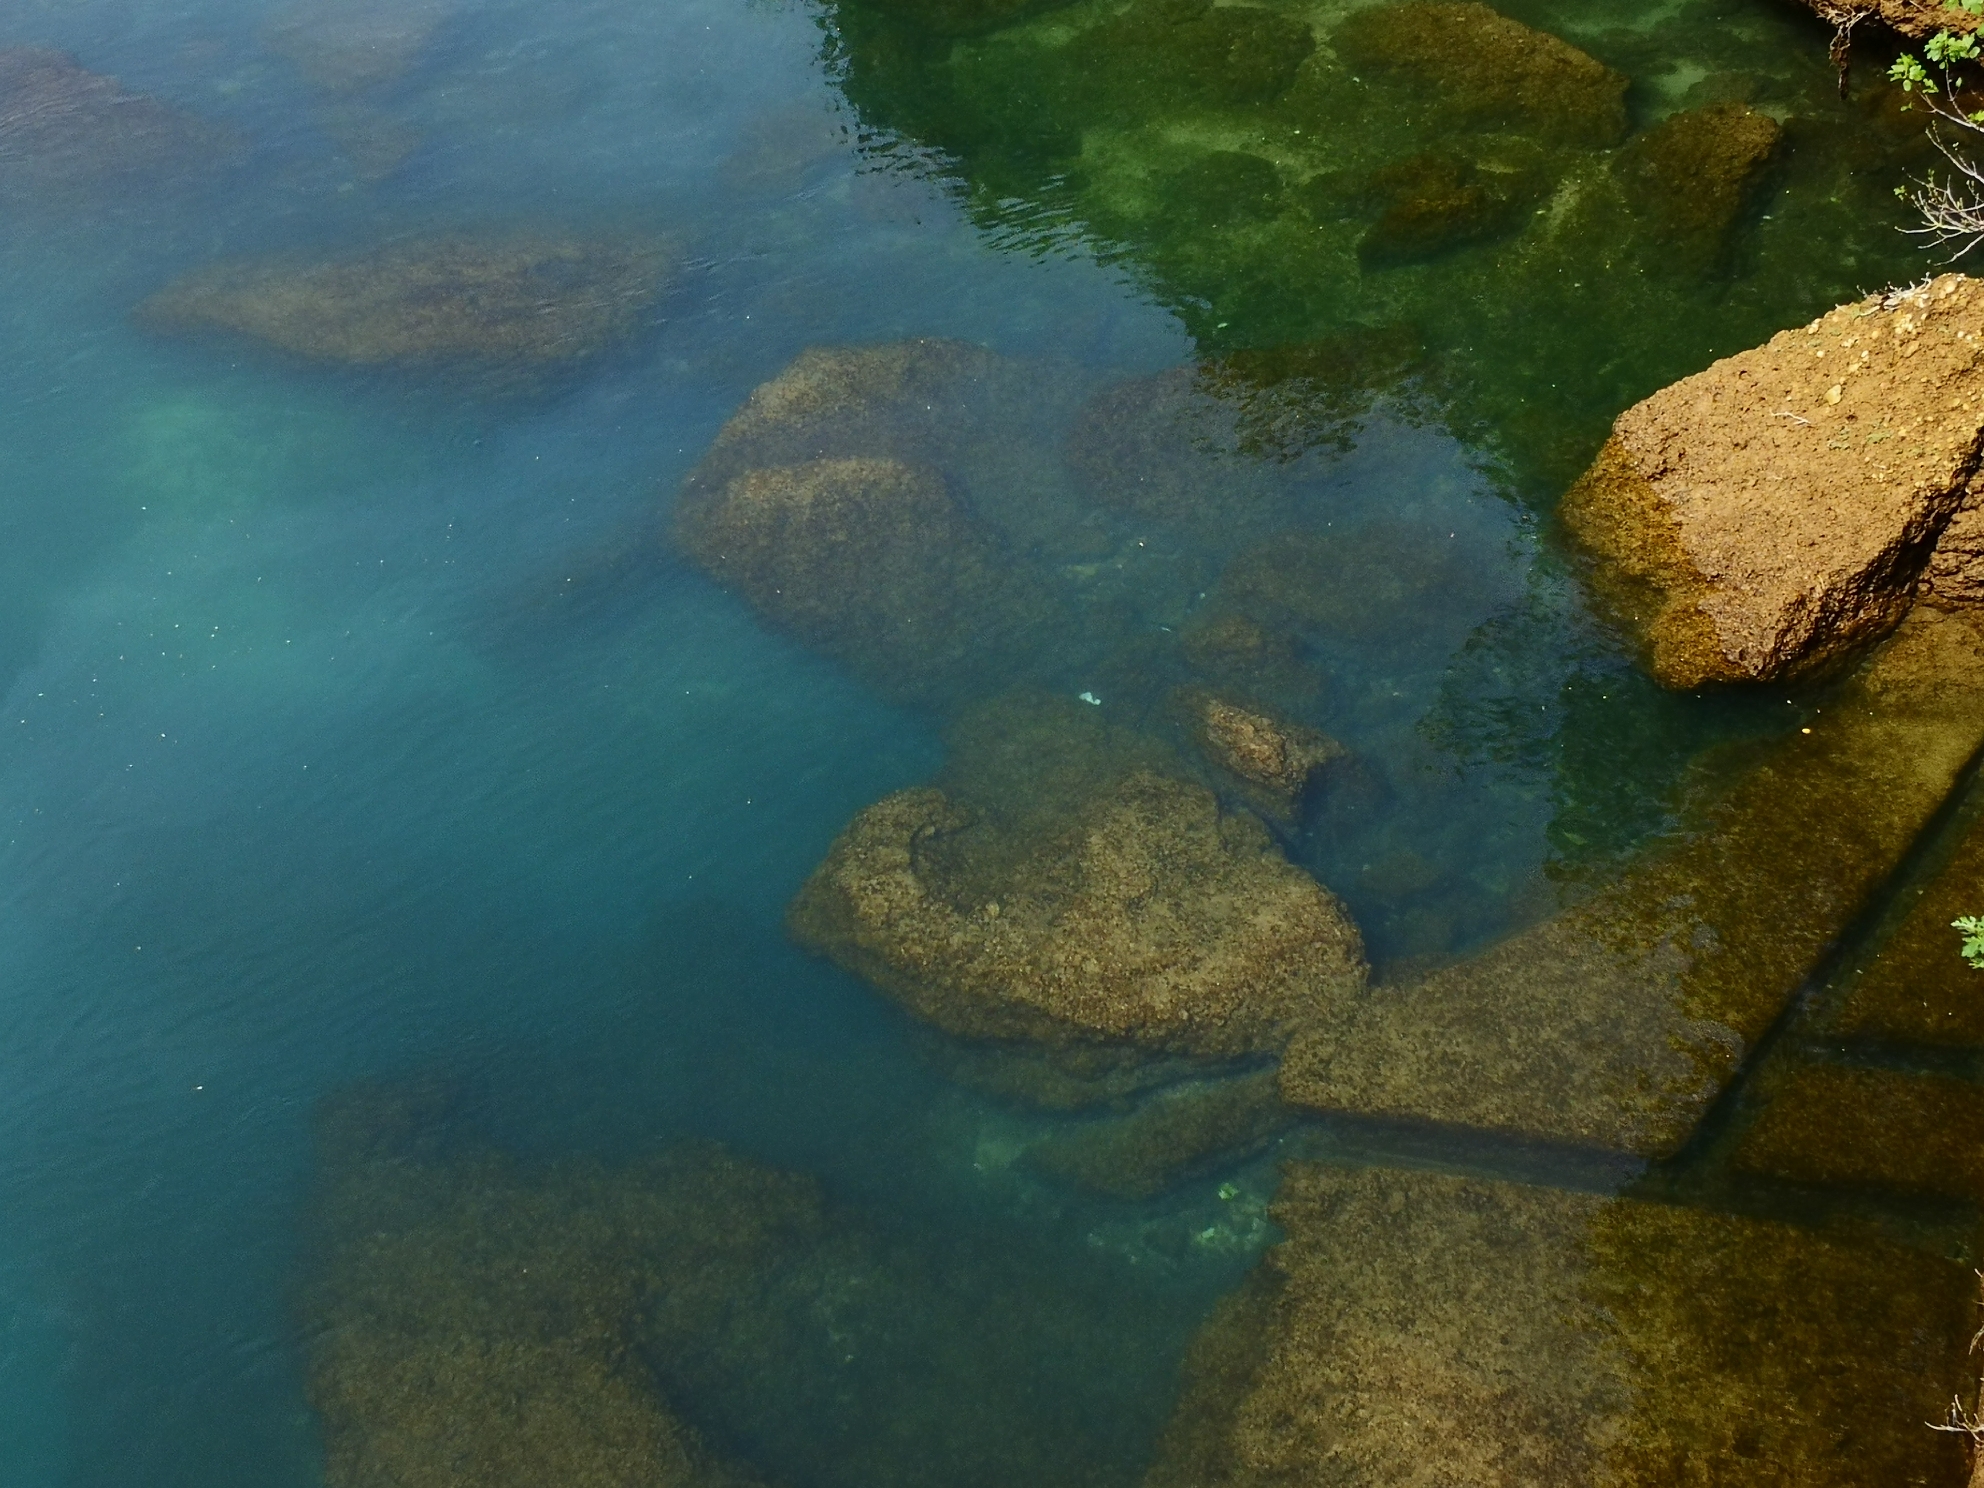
(1176, 1134)
(1423, 1329)
(1484, 69)
(1770, 516)
(1616, 1022)
(521, 303)
(65, 129)
(1880, 1128)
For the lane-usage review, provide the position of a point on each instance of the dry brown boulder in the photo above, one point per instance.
(1151, 918)
(1769, 516)
(63, 127)
(1486, 70)
(514, 304)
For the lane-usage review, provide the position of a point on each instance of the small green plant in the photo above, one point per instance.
(1943, 80)
(1972, 928)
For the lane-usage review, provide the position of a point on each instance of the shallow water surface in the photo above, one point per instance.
(400, 820)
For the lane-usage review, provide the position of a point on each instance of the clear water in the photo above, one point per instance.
(335, 752)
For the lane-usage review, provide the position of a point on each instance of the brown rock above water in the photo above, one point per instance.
(1151, 918)
(520, 305)
(1767, 517)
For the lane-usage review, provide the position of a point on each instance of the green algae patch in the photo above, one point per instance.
(1617, 1021)
(1877, 1128)
(1916, 988)
(1419, 1328)
(1178, 1133)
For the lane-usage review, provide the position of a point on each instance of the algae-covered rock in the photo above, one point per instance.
(1433, 203)
(1147, 917)
(1484, 69)
(1176, 1134)
(346, 45)
(513, 306)
(1881, 1128)
(1196, 52)
(1272, 758)
(1915, 988)
(1769, 516)
(1423, 1329)
(1615, 1022)
(1693, 176)
(870, 560)
(65, 129)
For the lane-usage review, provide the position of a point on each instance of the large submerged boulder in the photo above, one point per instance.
(1693, 177)
(501, 307)
(64, 129)
(1488, 71)
(346, 45)
(1150, 918)
(1617, 1021)
(1425, 1329)
(1769, 516)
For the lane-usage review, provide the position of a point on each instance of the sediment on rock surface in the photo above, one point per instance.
(1061, 886)
(514, 306)
(1423, 1329)
(1768, 517)
(1617, 1021)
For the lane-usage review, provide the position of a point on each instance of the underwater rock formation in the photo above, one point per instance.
(1147, 917)
(1617, 1021)
(1900, 1130)
(1769, 516)
(869, 560)
(1421, 1329)
(343, 46)
(1434, 203)
(1178, 1133)
(64, 129)
(1692, 177)
(1155, 920)
(514, 307)
(1484, 69)
(1203, 54)
(1273, 759)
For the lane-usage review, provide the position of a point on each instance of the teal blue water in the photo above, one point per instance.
(316, 769)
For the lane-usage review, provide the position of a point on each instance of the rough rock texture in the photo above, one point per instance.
(1889, 1129)
(870, 560)
(1419, 1330)
(346, 45)
(1915, 988)
(1693, 176)
(1150, 918)
(1956, 569)
(1177, 1134)
(1434, 203)
(519, 304)
(1617, 1021)
(1766, 517)
(63, 128)
(1272, 758)
(1916, 19)
(1488, 70)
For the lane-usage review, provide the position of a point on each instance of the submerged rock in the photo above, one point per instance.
(1419, 1328)
(1769, 516)
(1434, 203)
(1272, 758)
(1489, 71)
(1617, 1021)
(1693, 176)
(1899, 1130)
(869, 560)
(497, 306)
(1197, 52)
(343, 46)
(65, 129)
(1178, 1133)
(1148, 917)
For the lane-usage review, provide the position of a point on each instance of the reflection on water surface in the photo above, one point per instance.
(755, 744)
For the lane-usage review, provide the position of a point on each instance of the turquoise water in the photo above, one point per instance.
(361, 727)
